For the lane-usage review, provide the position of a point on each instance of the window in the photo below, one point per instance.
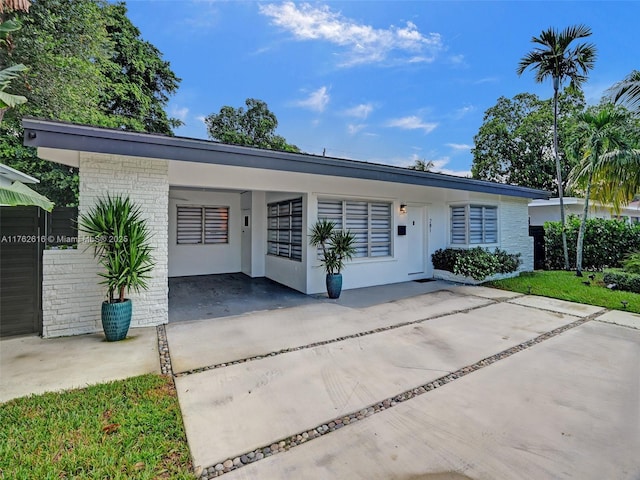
(284, 230)
(202, 225)
(370, 222)
(474, 224)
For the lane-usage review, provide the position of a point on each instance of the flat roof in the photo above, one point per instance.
(85, 138)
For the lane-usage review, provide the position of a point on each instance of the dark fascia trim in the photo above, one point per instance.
(84, 138)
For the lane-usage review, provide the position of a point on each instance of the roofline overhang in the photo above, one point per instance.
(84, 138)
(13, 175)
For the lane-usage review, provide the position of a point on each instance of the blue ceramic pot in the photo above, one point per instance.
(334, 285)
(116, 318)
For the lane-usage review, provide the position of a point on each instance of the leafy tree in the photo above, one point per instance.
(627, 92)
(9, 73)
(605, 140)
(422, 165)
(88, 64)
(139, 80)
(554, 59)
(253, 127)
(514, 145)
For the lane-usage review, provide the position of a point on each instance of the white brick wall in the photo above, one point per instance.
(71, 296)
(514, 230)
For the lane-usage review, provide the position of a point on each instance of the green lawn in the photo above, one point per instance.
(130, 429)
(566, 286)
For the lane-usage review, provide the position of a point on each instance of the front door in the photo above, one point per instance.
(246, 241)
(416, 240)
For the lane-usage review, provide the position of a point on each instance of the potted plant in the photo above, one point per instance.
(336, 246)
(121, 242)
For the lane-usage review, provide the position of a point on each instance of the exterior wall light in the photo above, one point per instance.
(403, 208)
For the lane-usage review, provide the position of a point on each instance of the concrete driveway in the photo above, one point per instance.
(462, 383)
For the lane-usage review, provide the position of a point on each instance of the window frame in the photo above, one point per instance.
(203, 227)
(279, 229)
(456, 231)
(370, 229)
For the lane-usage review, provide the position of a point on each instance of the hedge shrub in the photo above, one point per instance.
(477, 262)
(606, 242)
(623, 280)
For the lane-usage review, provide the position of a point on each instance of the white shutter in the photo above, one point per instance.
(216, 225)
(189, 230)
(458, 225)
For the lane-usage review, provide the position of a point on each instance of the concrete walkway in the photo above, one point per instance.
(30, 364)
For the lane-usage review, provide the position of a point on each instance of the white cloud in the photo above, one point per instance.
(201, 118)
(180, 113)
(360, 111)
(412, 123)
(463, 111)
(459, 146)
(355, 128)
(316, 101)
(486, 80)
(439, 164)
(362, 43)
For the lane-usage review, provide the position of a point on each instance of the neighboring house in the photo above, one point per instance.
(217, 208)
(9, 175)
(541, 211)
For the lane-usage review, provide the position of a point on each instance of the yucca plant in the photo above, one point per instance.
(121, 242)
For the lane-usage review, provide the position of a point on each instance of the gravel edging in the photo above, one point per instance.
(287, 443)
(163, 351)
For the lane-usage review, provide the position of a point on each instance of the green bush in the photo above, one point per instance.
(631, 263)
(606, 242)
(476, 263)
(623, 280)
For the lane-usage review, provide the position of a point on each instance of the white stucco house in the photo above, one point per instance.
(548, 210)
(217, 208)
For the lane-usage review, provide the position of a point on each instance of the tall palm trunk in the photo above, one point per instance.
(565, 249)
(583, 224)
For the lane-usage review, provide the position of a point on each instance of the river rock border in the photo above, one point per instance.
(163, 351)
(285, 444)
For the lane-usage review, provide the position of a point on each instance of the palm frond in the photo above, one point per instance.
(19, 194)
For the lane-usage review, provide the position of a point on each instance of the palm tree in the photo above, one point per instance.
(627, 92)
(604, 145)
(554, 59)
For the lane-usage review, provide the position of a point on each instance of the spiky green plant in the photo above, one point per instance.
(336, 245)
(121, 242)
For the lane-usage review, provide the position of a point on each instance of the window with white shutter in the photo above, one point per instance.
(370, 223)
(200, 225)
(474, 224)
(284, 229)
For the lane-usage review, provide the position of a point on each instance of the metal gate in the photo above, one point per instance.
(21, 244)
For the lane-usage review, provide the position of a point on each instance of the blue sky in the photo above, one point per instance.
(380, 81)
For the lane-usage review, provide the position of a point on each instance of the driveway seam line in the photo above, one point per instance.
(327, 342)
(292, 441)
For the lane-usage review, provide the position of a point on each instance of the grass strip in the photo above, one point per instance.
(565, 285)
(128, 429)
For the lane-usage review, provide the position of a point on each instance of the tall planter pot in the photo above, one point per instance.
(116, 318)
(334, 285)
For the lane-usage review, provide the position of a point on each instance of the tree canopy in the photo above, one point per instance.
(253, 127)
(87, 64)
(515, 142)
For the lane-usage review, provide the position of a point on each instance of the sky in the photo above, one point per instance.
(380, 81)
